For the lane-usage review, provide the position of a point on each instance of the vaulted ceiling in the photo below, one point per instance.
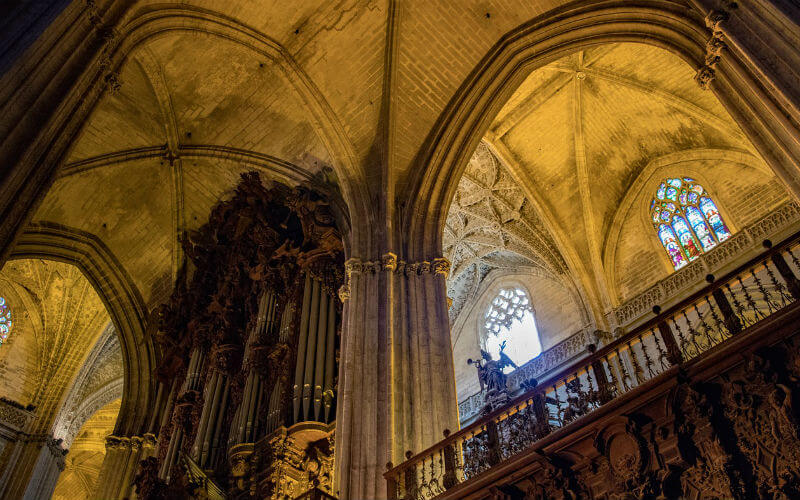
(493, 226)
(306, 93)
(294, 92)
(58, 318)
(574, 138)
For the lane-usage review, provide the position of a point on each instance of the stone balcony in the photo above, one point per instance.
(696, 401)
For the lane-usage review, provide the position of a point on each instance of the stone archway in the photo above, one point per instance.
(114, 35)
(122, 300)
(668, 25)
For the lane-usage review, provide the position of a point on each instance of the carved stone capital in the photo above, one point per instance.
(344, 292)
(441, 266)
(113, 83)
(705, 75)
(149, 441)
(714, 47)
(353, 265)
(113, 443)
(389, 262)
(715, 19)
(372, 267)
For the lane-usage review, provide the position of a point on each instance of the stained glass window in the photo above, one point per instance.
(686, 219)
(5, 321)
(509, 320)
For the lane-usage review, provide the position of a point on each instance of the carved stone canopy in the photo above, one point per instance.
(491, 225)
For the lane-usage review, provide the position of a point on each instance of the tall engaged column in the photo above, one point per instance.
(396, 379)
(48, 466)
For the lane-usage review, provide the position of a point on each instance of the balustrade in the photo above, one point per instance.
(678, 336)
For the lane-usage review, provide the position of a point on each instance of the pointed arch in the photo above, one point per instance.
(665, 24)
(122, 300)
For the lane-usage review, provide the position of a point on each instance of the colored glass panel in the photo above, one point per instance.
(714, 219)
(685, 237)
(700, 228)
(5, 321)
(686, 219)
(672, 194)
(670, 242)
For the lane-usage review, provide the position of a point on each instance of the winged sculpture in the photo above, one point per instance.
(490, 371)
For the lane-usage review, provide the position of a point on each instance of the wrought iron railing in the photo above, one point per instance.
(723, 309)
(551, 359)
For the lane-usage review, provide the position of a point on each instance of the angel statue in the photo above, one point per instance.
(492, 378)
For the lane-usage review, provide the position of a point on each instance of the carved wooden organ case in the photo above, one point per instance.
(250, 333)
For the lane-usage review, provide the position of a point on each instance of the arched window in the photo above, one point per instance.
(509, 320)
(686, 220)
(5, 321)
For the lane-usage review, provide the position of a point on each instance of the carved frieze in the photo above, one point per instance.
(14, 415)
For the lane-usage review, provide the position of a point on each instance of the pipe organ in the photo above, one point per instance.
(313, 378)
(249, 341)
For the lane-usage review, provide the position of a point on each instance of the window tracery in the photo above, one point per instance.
(5, 321)
(686, 219)
(509, 326)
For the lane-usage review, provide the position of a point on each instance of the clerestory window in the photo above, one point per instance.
(509, 326)
(5, 321)
(686, 219)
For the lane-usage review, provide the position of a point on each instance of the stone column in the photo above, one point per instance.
(49, 465)
(752, 55)
(396, 378)
(121, 464)
(18, 454)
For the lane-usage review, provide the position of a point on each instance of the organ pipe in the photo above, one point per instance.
(313, 393)
(190, 383)
(311, 342)
(319, 363)
(301, 347)
(330, 347)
